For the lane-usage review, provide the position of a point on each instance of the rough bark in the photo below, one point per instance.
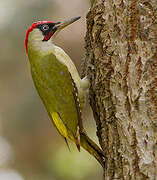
(121, 45)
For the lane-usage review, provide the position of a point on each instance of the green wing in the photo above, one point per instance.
(58, 92)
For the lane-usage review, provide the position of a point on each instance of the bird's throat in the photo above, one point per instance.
(37, 45)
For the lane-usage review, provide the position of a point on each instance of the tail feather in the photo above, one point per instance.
(67, 143)
(92, 148)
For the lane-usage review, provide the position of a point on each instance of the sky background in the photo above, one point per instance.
(30, 147)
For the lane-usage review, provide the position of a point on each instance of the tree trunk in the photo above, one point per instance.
(121, 45)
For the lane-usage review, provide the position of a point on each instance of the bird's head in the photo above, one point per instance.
(42, 31)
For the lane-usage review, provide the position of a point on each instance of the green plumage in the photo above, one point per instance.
(54, 85)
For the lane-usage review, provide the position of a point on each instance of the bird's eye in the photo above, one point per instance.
(45, 27)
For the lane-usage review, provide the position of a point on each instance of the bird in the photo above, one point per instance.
(58, 84)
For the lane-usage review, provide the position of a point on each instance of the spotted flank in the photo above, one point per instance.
(80, 125)
(76, 98)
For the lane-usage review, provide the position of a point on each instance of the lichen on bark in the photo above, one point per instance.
(121, 46)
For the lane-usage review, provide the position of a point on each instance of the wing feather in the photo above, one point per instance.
(58, 92)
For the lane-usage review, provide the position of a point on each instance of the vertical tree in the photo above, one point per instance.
(121, 45)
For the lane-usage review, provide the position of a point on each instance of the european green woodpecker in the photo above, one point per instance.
(58, 83)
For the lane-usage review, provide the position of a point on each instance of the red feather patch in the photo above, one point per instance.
(47, 37)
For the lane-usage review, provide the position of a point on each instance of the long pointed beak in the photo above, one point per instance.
(60, 26)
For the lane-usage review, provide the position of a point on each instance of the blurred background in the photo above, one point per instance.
(30, 147)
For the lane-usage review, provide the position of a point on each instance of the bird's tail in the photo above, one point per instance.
(92, 148)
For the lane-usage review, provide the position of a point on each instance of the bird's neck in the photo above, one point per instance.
(35, 44)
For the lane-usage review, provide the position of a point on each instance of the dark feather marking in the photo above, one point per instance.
(67, 143)
(78, 138)
(80, 125)
(76, 98)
